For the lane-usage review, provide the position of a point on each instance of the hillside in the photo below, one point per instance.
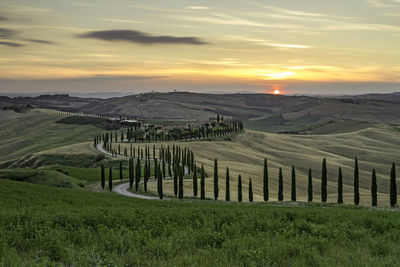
(264, 112)
(375, 148)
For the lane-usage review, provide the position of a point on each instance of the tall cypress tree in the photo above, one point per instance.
(227, 192)
(266, 189)
(393, 186)
(138, 174)
(181, 183)
(160, 183)
(340, 187)
(145, 174)
(216, 190)
(310, 186)
(195, 182)
(250, 190)
(280, 186)
(176, 180)
(293, 194)
(356, 183)
(110, 185)
(324, 182)
(120, 170)
(103, 178)
(202, 184)
(374, 189)
(240, 188)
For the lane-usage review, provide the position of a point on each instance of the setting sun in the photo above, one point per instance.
(277, 92)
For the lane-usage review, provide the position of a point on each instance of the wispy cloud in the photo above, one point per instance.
(39, 41)
(288, 45)
(384, 3)
(140, 37)
(225, 19)
(124, 21)
(197, 7)
(6, 32)
(12, 44)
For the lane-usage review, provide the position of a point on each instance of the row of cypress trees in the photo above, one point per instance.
(182, 159)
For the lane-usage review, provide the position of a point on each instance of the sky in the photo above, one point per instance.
(296, 46)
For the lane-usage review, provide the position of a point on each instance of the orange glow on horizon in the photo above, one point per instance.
(277, 92)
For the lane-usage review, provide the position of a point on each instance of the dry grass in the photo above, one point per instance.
(375, 148)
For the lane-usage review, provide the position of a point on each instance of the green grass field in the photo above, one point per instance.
(52, 226)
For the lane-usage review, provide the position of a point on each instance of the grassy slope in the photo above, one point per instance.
(375, 148)
(35, 131)
(78, 228)
(44, 177)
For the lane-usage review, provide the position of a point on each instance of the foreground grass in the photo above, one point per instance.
(41, 225)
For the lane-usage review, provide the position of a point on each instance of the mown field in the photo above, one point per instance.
(375, 148)
(34, 131)
(42, 225)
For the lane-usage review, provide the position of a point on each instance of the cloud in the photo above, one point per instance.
(6, 33)
(3, 18)
(225, 19)
(384, 3)
(140, 37)
(12, 44)
(38, 41)
(197, 7)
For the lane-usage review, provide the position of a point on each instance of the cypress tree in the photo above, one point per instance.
(227, 191)
(181, 183)
(160, 183)
(195, 182)
(266, 189)
(293, 195)
(110, 179)
(374, 189)
(216, 179)
(145, 174)
(324, 181)
(356, 183)
(138, 174)
(202, 184)
(280, 187)
(340, 187)
(240, 188)
(176, 181)
(131, 172)
(103, 178)
(250, 190)
(310, 186)
(393, 186)
(120, 170)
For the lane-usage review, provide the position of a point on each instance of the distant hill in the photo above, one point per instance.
(271, 113)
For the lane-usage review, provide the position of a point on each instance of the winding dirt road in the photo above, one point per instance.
(123, 189)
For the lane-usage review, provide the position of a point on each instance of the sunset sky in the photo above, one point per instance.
(296, 46)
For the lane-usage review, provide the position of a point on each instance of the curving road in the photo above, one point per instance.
(123, 189)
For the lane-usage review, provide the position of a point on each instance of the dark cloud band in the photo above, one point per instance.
(12, 44)
(140, 37)
(5, 32)
(38, 41)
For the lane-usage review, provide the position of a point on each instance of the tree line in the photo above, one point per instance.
(206, 131)
(176, 160)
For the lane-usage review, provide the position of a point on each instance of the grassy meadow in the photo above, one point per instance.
(57, 226)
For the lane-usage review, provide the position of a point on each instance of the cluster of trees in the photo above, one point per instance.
(208, 130)
(170, 162)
